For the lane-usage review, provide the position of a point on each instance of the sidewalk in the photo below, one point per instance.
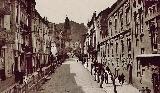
(125, 88)
(30, 82)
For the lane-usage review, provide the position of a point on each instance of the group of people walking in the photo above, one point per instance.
(145, 90)
(102, 74)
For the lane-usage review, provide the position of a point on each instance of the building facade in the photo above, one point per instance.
(127, 40)
(25, 39)
(6, 40)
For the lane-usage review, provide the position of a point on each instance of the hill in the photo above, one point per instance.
(77, 30)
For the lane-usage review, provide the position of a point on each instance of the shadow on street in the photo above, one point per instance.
(62, 81)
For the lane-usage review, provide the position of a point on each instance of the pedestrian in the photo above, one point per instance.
(84, 61)
(102, 80)
(122, 78)
(142, 90)
(148, 90)
(106, 77)
(107, 68)
(77, 60)
(140, 79)
(95, 72)
(113, 78)
(91, 68)
(119, 79)
(98, 74)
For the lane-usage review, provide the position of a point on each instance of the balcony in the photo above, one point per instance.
(7, 36)
(4, 7)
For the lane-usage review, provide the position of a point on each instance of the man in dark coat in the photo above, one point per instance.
(122, 78)
(142, 90)
(98, 74)
(102, 80)
(91, 68)
(106, 77)
(95, 72)
(148, 90)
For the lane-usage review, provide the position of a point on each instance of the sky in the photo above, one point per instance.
(79, 11)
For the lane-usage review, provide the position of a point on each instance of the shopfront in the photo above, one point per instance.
(148, 67)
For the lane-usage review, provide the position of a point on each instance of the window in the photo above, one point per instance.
(112, 53)
(108, 50)
(122, 44)
(134, 4)
(101, 52)
(129, 45)
(105, 49)
(137, 41)
(150, 11)
(141, 38)
(17, 15)
(146, 12)
(135, 16)
(153, 36)
(129, 55)
(139, 1)
(127, 16)
(115, 24)
(142, 25)
(95, 41)
(136, 28)
(142, 50)
(2, 21)
(116, 48)
(154, 9)
(110, 25)
(121, 20)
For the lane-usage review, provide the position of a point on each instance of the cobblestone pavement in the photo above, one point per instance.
(71, 77)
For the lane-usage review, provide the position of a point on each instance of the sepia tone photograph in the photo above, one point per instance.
(79, 46)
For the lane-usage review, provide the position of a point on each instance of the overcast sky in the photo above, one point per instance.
(77, 10)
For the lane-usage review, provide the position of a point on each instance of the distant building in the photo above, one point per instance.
(67, 32)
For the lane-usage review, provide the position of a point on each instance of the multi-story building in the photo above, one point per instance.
(6, 40)
(25, 39)
(146, 29)
(42, 36)
(101, 29)
(91, 38)
(85, 44)
(16, 37)
(21, 25)
(117, 45)
(127, 36)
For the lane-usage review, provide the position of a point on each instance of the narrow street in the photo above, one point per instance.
(71, 77)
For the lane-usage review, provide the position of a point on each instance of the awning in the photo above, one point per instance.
(148, 55)
(146, 59)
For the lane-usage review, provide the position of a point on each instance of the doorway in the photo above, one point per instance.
(156, 80)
